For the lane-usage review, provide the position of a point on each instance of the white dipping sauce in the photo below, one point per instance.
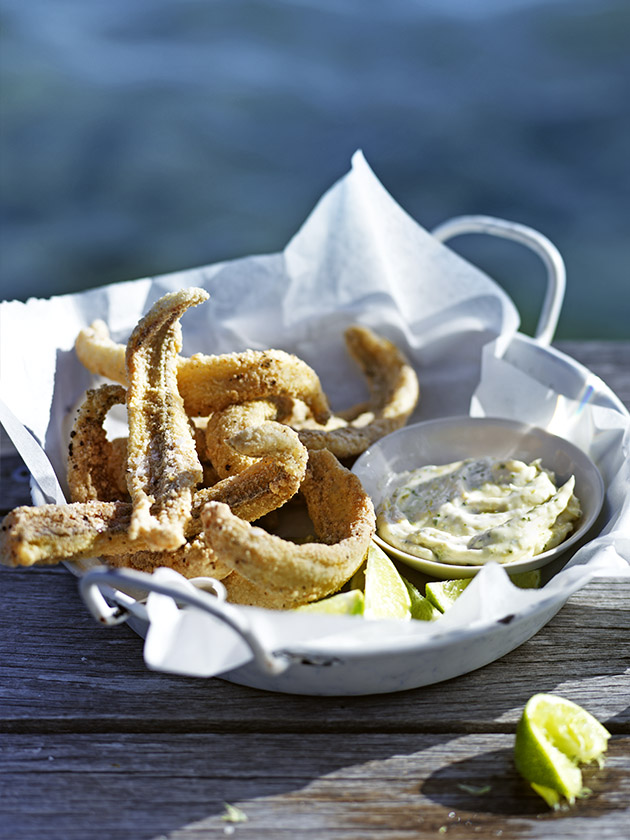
(477, 510)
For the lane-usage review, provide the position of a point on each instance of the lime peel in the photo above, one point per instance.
(233, 814)
(421, 608)
(527, 580)
(443, 593)
(343, 603)
(551, 796)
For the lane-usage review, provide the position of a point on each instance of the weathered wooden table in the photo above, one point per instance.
(95, 745)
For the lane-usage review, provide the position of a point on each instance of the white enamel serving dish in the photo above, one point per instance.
(395, 664)
(387, 665)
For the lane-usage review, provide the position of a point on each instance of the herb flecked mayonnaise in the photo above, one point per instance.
(477, 510)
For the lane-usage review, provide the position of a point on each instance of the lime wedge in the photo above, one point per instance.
(344, 603)
(553, 736)
(527, 580)
(443, 593)
(421, 608)
(386, 595)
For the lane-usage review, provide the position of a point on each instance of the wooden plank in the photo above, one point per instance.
(14, 481)
(60, 671)
(379, 785)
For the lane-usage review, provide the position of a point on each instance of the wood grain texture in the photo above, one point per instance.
(324, 786)
(60, 671)
(94, 744)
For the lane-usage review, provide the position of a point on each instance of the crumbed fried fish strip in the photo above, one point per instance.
(239, 590)
(117, 462)
(211, 383)
(193, 559)
(81, 530)
(163, 468)
(394, 391)
(289, 574)
(52, 533)
(90, 453)
(117, 465)
(278, 468)
(224, 425)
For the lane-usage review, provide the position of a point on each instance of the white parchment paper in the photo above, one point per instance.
(358, 258)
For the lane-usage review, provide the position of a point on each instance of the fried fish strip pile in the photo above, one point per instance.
(216, 443)
(81, 530)
(277, 465)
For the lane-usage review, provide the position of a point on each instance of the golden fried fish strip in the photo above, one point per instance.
(117, 466)
(117, 462)
(394, 390)
(239, 590)
(99, 354)
(162, 464)
(211, 383)
(223, 425)
(274, 476)
(52, 533)
(343, 516)
(193, 559)
(90, 453)
(81, 530)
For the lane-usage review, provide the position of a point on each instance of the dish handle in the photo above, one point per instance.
(103, 591)
(532, 239)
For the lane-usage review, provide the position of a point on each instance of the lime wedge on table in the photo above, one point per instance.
(344, 603)
(386, 595)
(552, 737)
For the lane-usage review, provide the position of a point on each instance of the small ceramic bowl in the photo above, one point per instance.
(449, 439)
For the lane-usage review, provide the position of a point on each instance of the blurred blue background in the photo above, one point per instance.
(139, 137)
